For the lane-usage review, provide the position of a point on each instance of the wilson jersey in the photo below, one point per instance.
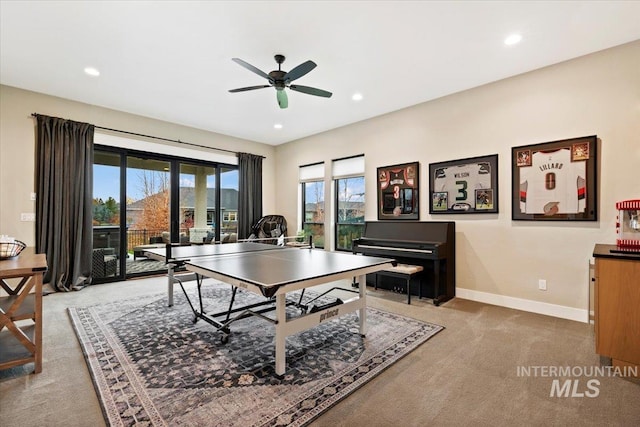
(462, 181)
(553, 184)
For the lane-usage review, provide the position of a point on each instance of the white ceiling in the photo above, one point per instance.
(171, 60)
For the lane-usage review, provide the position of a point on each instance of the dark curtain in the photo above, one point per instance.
(64, 181)
(249, 192)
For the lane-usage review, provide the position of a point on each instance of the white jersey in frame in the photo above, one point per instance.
(553, 184)
(461, 182)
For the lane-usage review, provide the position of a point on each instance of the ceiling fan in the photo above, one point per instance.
(281, 79)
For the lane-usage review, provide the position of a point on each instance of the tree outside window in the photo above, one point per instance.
(349, 211)
(313, 206)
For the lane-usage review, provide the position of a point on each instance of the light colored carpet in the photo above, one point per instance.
(465, 376)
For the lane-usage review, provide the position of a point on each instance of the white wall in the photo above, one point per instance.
(500, 260)
(17, 148)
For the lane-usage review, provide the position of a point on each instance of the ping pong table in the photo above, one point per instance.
(273, 272)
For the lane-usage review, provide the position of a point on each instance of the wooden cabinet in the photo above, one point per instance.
(21, 310)
(617, 305)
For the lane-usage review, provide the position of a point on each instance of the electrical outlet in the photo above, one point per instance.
(32, 197)
(542, 284)
(27, 217)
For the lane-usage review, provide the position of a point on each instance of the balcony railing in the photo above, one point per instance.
(143, 237)
(109, 236)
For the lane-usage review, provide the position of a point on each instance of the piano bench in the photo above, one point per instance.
(402, 271)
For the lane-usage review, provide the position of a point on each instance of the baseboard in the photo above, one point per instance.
(554, 310)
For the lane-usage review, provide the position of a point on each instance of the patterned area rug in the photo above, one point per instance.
(151, 365)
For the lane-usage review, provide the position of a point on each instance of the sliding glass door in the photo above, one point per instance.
(144, 200)
(197, 210)
(148, 211)
(107, 251)
(229, 180)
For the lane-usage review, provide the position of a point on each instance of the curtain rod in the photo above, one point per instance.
(158, 137)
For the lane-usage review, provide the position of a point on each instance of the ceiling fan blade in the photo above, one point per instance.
(299, 71)
(251, 68)
(311, 91)
(244, 89)
(283, 100)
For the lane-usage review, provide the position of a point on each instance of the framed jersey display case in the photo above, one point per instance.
(398, 191)
(464, 186)
(555, 180)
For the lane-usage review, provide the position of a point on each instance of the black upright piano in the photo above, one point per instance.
(429, 244)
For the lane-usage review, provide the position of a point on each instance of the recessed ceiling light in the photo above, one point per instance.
(513, 39)
(277, 126)
(357, 97)
(92, 71)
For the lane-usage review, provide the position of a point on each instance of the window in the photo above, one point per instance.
(143, 199)
(348, 175)
(350, 211)
(229, 181)
(230, 216)
(313, 202)
(196, 197)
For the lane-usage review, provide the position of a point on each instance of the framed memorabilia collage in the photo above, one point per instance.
(551, 181)
(555, 180)
(398, 191)
(464, 186)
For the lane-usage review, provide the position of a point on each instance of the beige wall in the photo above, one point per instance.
(17, 148)
(499, 260)
(597, 94)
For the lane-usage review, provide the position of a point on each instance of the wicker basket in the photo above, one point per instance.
(10, 250)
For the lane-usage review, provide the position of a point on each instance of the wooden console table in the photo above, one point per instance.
(21, 310)
(617, 298)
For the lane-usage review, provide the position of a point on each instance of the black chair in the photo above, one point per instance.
(105, 264)
(267, 227)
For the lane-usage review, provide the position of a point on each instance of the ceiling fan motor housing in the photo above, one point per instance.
(277, 79)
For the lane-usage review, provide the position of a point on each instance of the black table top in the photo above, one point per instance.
(289, 265)
(613, 251)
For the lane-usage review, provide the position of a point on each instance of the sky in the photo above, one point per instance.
(314, 191)
(106, 182)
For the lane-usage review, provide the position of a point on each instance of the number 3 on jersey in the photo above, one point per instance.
(462, 190)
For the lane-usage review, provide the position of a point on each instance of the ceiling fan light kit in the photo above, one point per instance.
(280, 80)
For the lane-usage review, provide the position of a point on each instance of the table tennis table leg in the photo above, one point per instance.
(362, 312)
(281, 317)
(170, 284)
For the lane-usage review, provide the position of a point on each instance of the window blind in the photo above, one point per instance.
(312, 172)
(350, 166)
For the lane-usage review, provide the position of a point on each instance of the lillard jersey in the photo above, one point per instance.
(397, 193)
(553, 184)
(463, 180)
